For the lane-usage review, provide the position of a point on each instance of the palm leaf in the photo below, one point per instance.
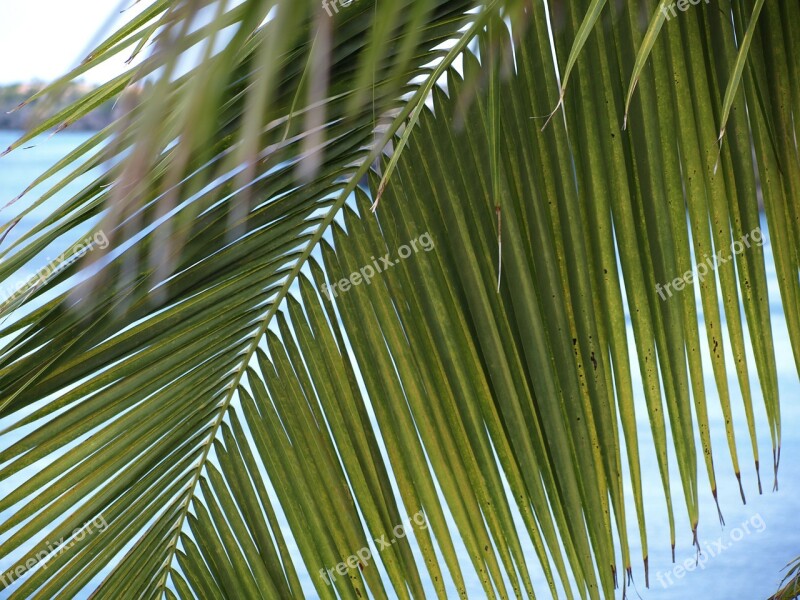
(243, 428)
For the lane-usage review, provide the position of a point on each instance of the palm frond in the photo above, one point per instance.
(246, 418)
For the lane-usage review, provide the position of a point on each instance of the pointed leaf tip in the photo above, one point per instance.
(555, 110)
(378, 196)
(741, 489)
(16, 108)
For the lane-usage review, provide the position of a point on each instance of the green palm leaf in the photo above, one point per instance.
(248, 421)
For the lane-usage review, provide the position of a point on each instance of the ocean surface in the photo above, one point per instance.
(742, 560)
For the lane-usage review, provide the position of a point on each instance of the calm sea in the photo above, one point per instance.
(743, 560)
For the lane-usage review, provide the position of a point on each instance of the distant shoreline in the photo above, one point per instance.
(78, 127)
(16, 133)
(11, 96)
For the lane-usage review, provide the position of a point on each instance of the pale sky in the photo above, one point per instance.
(42, 39)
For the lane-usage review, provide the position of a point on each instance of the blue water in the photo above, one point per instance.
(17, 171)
(743, 560)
